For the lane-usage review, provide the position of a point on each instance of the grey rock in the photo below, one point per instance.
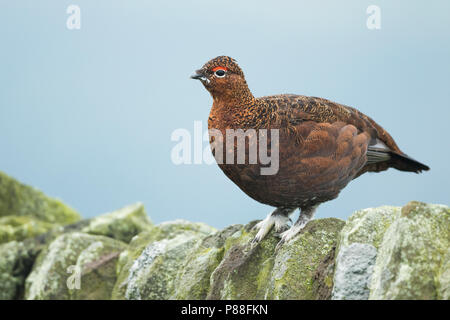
(354, 269)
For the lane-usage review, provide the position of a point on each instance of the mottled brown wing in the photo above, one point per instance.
(296, 108)
(383, 151)
(327, 158)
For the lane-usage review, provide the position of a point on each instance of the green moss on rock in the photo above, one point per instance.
(357, 251)
(17, 199)
(443, 278)
(406, 252)
(15, 264)
(152, 275)
(121, 224)
(259, 272)
(72, 256)
(185, 231)
(368, 225)
(19, 228)
(412, 253)
(193, 278)
(237, 276)
(297, 264)
(380, 253)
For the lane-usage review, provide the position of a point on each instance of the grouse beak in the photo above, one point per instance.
(198, 75)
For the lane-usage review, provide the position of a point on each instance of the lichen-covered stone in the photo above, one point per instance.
(193, 279)
(72, 259)
(297, 264)
(323, 278)
(380, 253)
(17, 199)
(17, 259)
(411, 256)
(259, 272)
(171, 229)
(171, 238)
(368, 226)
(239, 261)
(394, 253)
(122, 224)
(15, 263)
(443, 279)
(152, 275)
(357, 251)
(21, 227)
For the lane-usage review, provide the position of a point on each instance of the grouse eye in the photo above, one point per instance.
(220, 73)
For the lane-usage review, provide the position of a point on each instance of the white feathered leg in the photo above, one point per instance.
(305, 216)
(278, 218)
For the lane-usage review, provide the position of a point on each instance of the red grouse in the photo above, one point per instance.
(321, 145)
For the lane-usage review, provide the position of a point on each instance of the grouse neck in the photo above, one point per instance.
(233, 97)
(240, 114)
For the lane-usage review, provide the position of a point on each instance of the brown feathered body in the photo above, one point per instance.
(322, 145)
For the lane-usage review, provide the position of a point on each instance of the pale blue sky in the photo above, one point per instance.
(86, 115)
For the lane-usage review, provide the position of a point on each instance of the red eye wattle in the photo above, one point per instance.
(219, 68)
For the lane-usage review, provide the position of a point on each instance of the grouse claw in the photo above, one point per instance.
(279, 245)
(279, 222)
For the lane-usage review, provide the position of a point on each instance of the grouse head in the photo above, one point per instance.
(223, 78)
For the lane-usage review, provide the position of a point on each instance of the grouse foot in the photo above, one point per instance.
(279, 218)
(303, 219)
